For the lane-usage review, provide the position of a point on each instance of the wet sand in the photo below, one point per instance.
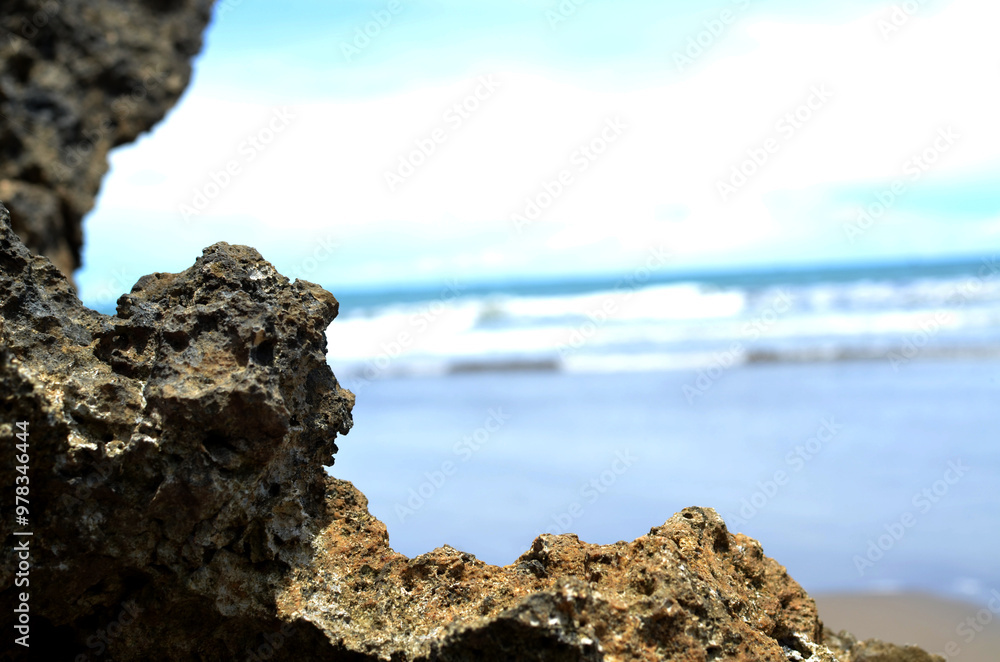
(937, 625)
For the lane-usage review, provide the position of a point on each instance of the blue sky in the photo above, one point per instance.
(546, 139)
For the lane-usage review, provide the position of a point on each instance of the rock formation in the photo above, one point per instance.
(78, 77)
(180, 508)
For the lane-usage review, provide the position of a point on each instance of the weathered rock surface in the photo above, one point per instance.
(180, 507)
(78, 77)
(688, 590)
(176, 450)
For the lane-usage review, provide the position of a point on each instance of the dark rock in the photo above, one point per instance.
(78, 77)
(177, 449)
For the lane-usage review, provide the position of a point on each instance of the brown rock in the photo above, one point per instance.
(78, 77)
(689, 590)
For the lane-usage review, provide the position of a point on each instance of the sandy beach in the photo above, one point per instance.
(937, 625)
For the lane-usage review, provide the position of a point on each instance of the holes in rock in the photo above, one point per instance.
(20, 66)
(116, 85)
(721, 543)
(222, 449)
(164, 6)
(215, 440)
(177, 341)
(92, 428)
(644, 584)
(122, 350)
(275, 490)
(263, 354)
(33, 174)
(532, 567)
(206, 323)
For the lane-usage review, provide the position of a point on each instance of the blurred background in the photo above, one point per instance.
(599, 261)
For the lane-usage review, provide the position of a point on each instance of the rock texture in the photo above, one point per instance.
(78, 77)
(689, 590)
(180, 507)
(176, 449)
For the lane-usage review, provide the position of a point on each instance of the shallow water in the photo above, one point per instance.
(485, 462)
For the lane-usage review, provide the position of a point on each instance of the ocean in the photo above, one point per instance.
(844, 417)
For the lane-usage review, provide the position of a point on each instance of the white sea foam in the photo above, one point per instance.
(675, 326)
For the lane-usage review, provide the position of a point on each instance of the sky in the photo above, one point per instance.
(407, 142)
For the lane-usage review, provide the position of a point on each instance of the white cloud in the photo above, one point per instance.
(327, 167)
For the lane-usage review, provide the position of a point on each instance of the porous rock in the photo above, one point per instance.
(181, 510)
(78, 77)
(176, 449)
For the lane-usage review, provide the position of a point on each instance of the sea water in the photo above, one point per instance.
(846, 419)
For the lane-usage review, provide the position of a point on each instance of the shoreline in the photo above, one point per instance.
(938, 625)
